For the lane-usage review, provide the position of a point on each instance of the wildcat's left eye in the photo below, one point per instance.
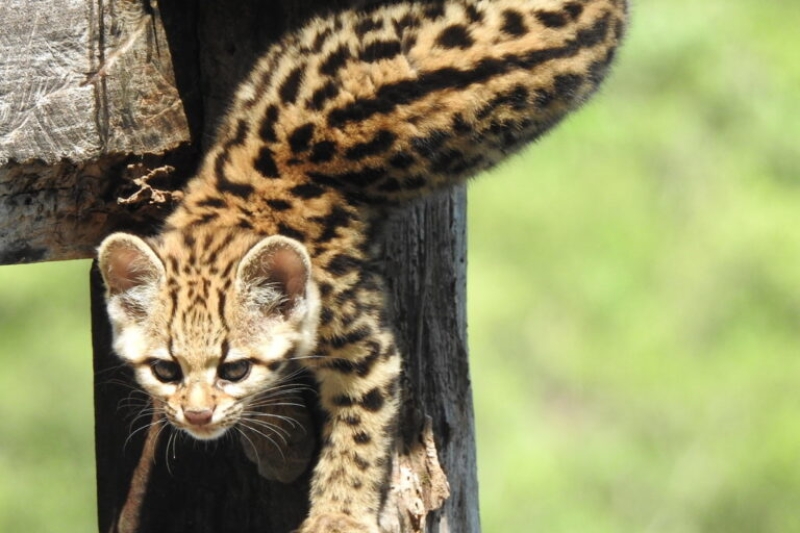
(235, 370)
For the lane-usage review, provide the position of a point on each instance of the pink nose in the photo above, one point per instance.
(198, 417)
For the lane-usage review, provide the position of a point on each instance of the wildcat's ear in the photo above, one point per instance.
(131, 271)
(275, 275)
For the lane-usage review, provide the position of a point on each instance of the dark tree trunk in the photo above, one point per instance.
(113, 100)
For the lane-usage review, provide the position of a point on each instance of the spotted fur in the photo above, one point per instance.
(268, 258)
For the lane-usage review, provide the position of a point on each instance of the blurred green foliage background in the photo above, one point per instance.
(634, 303)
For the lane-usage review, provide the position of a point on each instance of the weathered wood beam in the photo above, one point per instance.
(86, 89)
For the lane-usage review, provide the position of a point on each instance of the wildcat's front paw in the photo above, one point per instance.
(336, 523)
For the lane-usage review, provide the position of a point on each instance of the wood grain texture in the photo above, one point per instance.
(86, 88)
(217, 488)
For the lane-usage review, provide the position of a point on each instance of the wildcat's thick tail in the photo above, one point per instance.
(394, 102)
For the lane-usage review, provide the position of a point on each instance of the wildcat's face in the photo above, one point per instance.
(205, 380)
(206, 338)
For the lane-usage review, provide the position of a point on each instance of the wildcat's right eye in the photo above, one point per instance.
(166, 371)
(235, 370)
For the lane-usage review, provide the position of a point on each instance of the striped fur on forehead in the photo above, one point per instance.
(208, 307)
(198, 300)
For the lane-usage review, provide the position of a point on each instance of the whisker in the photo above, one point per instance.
(254, 430)
(132, 404)
(293, 422)
(171, 450)
(294, 373)
(163, 424)
(279, 394)
(121, 383)
(110, 369)
(279, 401)
(144, 411)
(275, 400)
(282, 432)
(277, 386)
(283, 391)
(144, 427)
(298, 358)
(252, 445)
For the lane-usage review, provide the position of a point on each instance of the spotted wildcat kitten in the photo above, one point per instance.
(268, 258)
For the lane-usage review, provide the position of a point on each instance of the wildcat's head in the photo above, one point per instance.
(208, 325)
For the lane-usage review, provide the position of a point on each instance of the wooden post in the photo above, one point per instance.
(123, 112)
